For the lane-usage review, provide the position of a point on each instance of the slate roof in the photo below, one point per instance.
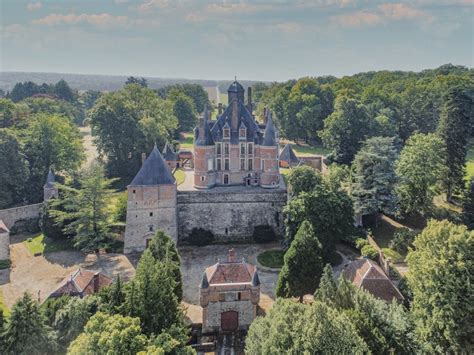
(235, 87)
(202, 135)
(76, 284)
(154, 171)
(269, 138)
(370, 276)
(168, 153)
(288, 155)
(50, 180)
(3, 227)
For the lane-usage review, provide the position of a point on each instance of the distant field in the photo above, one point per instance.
(223, 97)
(470, 160)
(186, 141)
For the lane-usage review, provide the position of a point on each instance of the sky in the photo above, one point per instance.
(271, 40)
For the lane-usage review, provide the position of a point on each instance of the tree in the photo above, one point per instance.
(303, 179)
(54, 106)
(294, 328)
(330, 213)
(163, 249)
(63, 91)
(455, 117)
(139, 81)
(345, 129)
(468, 205)
(48, 225)
(441, 279)
(418, 169)
(127, 123)
(374, 175)
(110, 334)
(12, 179)
(83, 211)
(26, 331)
(183, 109)
(302, 266)
(72, 317)
(23, 90)
(195, 91)
(151, 296)
(385, 328)
(52, 141)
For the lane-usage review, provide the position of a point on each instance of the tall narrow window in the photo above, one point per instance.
(226, 164)
(242, 164)
(226, 132)
(250, 149)
(226, 148)
(242, 149)
(210, 164)
(219, 166)
(218, 148)
(250, 164)
(242, 133)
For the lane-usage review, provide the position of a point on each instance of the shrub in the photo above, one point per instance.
(368, 251)
(200, 237)
(402, 239)
(48, 225)
(120, 208)
(360, 243)
(264, 234)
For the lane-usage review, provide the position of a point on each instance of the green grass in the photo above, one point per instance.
(271, 258)
(284, 172)
(3, 306)
(470, 160)
(179, 176)
(186, 141)
(394, 255)
(305, 149)
(41, 244)
(224, 98)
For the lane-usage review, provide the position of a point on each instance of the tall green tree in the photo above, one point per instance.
(14, 176)
(303, 265)
(26, 331)
(151, 296)
(453, 130)
(441, 279)
(52, 142)
(127, 123)
(295, 328)
(373, 190)
(346, 128)
(183, 109)
(139, 81)
(303, 179)
(83, 211)
(419, 168)
(468, 205)
(63, 91)
(195, 91)
(163, 249)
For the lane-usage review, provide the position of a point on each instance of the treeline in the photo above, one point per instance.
(141, 316)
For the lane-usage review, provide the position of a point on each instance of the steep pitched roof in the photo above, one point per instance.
(168, 152)
(288, 155)
(50, 180)
(269, 138)
(154, 171)
(77, 282)
(203, 136)
(3, 227)
(370, 276)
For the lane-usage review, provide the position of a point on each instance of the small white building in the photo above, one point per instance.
(4, 242)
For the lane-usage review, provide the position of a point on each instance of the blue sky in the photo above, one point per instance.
(259, 40)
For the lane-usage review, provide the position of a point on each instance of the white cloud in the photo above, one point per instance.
(99, 20)
(153, 4)
(34, 6)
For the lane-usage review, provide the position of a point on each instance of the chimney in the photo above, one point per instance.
(96, 282)
(265, 113)
(249, 99)
(219, 109)
(231, 256)
(143, 158)
(235, 116)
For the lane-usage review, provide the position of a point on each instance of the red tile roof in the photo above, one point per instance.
(81, 283)
(370, 276)
(230, 271)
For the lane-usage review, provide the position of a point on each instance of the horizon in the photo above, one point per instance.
(255, 40)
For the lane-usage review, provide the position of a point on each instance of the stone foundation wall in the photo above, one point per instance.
(4, 246)
(230, 214)
(246, 310)
(11, 215)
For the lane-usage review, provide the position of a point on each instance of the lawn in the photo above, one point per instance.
(41, 244)
(271, 258)
(179, 176)
(306, 149)
(3, 306)
(186, 141)
(223, 98)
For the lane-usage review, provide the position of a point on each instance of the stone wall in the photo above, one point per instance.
(11, 215)
(5, 246)
(246, 310)
(231, 213)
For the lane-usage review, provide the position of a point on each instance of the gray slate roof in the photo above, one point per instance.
(235, 87)
(154, 171)
(269, 138)
(50, 180)
(288, 155)
(168, 152)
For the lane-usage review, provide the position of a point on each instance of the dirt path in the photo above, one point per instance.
(90, 148)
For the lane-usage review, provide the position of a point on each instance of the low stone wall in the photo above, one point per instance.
(232, 215)
(12, 215)
(383, 261)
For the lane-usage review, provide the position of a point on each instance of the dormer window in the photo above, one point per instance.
(243, 133)
(226, 132)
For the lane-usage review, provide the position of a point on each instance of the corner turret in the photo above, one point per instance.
(50, 189)
(204, 155)
(269, 156)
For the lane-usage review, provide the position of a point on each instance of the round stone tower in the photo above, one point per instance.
(204, 155)
(270, 177)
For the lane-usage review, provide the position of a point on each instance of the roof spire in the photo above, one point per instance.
(154, 171)
(269, 138)
(50, 180)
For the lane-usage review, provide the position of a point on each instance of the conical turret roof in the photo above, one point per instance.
(255, 279)
(288, 155)
(204, 136)
(50, 180)
(204, 281)
(270, 133)
(154, 171)
(168, 152)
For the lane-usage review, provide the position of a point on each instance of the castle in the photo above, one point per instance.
(234, 187)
